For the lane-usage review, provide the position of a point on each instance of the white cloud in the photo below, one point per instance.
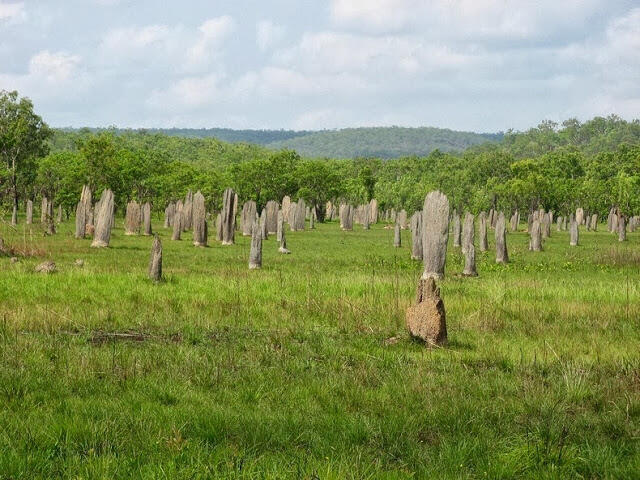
(206, 47)
(280, 83)
(126, 40)
(485, 64)
(617, 67)
(199, 93)
(268, 34)
(55, 81)
(131, 49)
(623, 42)
(165, 48)
(378, 15)
(373, 55)
(187, 93)
(53, 67)
(217, 29)
(285, 82)
(466, 19)
(12, 12)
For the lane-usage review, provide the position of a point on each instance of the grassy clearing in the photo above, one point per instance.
(220, 372)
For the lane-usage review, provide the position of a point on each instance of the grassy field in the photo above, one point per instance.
(288, 372)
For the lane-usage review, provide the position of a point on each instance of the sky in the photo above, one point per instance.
(478, 65)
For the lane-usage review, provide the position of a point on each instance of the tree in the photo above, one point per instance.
(100, 154)
(60, 177)
(23, 137)
(262, 179)
(368, 181)
(318, 182)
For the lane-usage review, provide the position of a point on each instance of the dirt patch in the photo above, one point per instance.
(99, 338)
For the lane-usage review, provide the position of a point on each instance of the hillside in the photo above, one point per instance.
(382, 142)
(258, 137)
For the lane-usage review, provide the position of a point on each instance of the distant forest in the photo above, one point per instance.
(595, 165)
(383, 142)
(259, 137)
(379, 142)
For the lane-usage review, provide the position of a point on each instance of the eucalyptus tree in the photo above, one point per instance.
(23, 138)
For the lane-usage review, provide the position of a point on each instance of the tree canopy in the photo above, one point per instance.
(594, 165)
(23, 136)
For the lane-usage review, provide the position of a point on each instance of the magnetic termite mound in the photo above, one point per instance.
(247, 217)
(145, 214)
(281, 236)
(416, 236)
(435, 234)
(397, 236)
(468, 247)
(255, 254)
(482, 231)
(83, 212)
(103, 220)
(155, 263)
(132, 219)
(426, 320)
(199, 220)
(502, 255)
(228, 217)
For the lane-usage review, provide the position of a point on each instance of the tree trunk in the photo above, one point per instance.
(14, 179)
(321, 211)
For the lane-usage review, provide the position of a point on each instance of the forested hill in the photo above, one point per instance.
(383, 142)
(379, 142)
(258, 137)
(595, 136)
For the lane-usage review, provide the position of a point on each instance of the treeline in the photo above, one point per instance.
(201, 151)
(159, 169)
(258, 137)
(595, 165)
(561, 180)
(380, 142)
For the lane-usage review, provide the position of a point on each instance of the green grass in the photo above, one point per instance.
(285, 372)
